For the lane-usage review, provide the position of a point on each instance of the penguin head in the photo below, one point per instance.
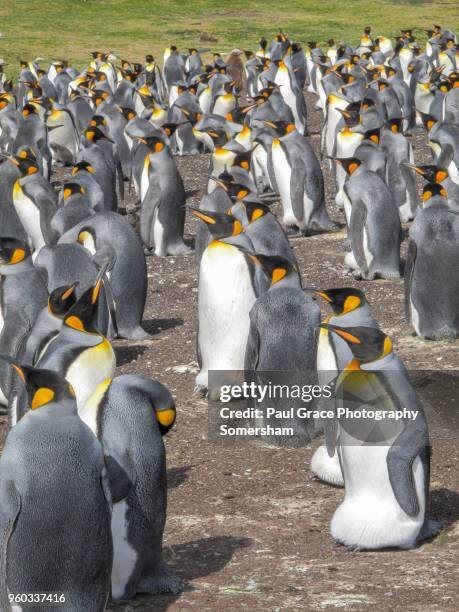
(431, 191)
(25, 161)
(242, 160)
(276, 268)
(170, 128)
(43, 387)
(395, 125)
(350, 164)
(94, 134)
(430, 172)
(255, 210)
(61, 299)
(82, 316)
(282, 128)
(374, 135)
(218, 136)
(366, 343)
(220, 225)
(237, 191)
(155, 144)
(29, 109)
(82, 166)
(342, 299)
(165, 411)
(13, 251)
(4, 101)
(428, 121)
(350, 116)
(128, 113)
(70, 189)
(98, 121)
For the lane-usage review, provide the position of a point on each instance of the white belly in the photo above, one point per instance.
(225, 299)
(260, 163)
(282, 172)
(415, 318)
(347, 207)
(124, 556)
(370, 516)
(158, 237)
(368, 254)
(90, 368)
(29, 215)
(224, 105)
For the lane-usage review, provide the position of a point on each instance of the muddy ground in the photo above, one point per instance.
(248, 527)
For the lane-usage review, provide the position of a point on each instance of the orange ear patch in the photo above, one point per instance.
(42, 396)
(278, 274)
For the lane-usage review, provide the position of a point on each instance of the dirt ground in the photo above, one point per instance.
(248, 527)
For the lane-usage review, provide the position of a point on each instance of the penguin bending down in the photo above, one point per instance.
(281, 343)
(54, 498)
(110, 239)
(350, 309)
(129, 415)
(385, 463)
(229, 284)
(162, 216)
(295, 171)
(374, 226)
(431, 290)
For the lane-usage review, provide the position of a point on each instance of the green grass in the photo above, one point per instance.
(70, 29)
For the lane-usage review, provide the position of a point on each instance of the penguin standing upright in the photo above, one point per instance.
(129, 415)
(398, 177)
(373, 224)
(229, 284)
(296, 172)
(22, 296)
(281, 341)
(54, 498)
(431, 290)
(110, 239)
(350, 309)
(386, 463)
(162, 215)
(35, 202)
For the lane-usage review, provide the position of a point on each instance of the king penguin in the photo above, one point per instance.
(281, 344)
(350, 309)
(129, 415)
(228, 287)
(79, 352)
(431, 291)
(54, 498)
(385, 463)
(22, 297)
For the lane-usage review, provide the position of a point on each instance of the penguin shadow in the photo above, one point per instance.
(190, 561)
(444, 507)
(156, 326)
(177, 476)
(126, 354)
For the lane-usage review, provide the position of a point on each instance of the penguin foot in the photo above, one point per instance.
(163, 582)
(137, 333)
(292, 231)
(327, 468)
(179, 249)
(429, 530)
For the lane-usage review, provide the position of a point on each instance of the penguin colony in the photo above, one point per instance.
(84, 448)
